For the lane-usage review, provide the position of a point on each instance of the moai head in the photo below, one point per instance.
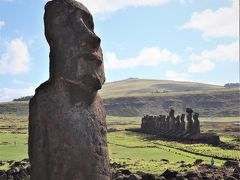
(189, 113)
(75, 52)
(171, 113)
(182, 117)
(195, 116)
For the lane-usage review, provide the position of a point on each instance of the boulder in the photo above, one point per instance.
(148, 177)
(134, 177)
(230, 178)
(231, 163)
(126, 172)
(168, 174)
(192, 174)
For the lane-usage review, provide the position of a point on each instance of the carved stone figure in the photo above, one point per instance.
(196, 124)
(168, 123)
(177, 123)
(171, 119)
(182, 123)
(189, 120)
(67, 127)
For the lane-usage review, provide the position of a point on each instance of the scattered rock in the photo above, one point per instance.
(126, 172)
(192, 174)
(180, 176)
(230, 178)
(231, 163)
(148, 177)
(2, 172)
(236, 175)
(168, 174)
(134, 177)
(237, 170)
(165, 160)
(115, 165)
(198, 161)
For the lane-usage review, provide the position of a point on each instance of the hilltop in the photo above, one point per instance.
(146, 87)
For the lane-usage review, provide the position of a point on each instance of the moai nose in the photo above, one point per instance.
(94, 41)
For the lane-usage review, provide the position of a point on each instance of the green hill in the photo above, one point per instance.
(146, 87)
(136, 97)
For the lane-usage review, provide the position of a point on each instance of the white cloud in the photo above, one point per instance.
(110, 6)
(223, 22)
(203, 66)
(2, 23)
(16, 81)
(7, 94)
(189, 49)
(186, 1)
(16, 58)
(148, 56)
(223, 52)
(172, 75)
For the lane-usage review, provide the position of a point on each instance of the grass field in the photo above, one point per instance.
(135, 151)
(13, 146)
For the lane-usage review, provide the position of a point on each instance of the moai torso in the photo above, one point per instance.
(163, 123)
(177, 123)
(196, 124)
(182, 124)
(171, 119)
(167, 123)
(189, 120)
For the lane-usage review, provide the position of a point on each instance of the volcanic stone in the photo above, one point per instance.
(67, 126)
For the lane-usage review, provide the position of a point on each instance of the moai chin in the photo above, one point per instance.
(67, 126)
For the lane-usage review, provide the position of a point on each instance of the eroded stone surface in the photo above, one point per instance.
(67, 127)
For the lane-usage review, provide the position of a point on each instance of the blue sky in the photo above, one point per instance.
(186, 40)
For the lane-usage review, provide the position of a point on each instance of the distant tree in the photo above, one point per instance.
(25, 98)
(232, 85)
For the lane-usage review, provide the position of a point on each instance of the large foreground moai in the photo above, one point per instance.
(67, 127)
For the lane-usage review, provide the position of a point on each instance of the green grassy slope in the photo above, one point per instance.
(145, 87)
(209, 103)
(136, 97)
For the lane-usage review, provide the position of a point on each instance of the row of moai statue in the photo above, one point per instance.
(170, 124)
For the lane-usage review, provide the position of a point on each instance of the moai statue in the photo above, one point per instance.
(182, 124)
(196, 124)
(67, 126)
(155, 123)
(159, 123)
(189, 120)
(147, 122)
(150, 124)
(168, 123)
(172, 119)
(163, 123)
(177, 123)
(143, 124)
